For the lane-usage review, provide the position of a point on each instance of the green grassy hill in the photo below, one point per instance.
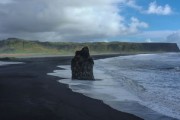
(19, 46)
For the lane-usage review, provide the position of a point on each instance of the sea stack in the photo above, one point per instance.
(82, 65)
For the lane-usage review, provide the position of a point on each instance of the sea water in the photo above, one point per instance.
(147, 85)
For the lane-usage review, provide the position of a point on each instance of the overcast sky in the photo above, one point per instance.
(91, 20)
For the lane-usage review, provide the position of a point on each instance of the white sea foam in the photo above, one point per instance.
(2, 63)
(149, 79)
(103, 86)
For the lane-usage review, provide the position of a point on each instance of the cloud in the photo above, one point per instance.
(174, 37)
(169, 36)
(159, 10)
(133, 4)
(5, 1)
(148, 40)
(136, 24)
(160, 35)
(66, 20)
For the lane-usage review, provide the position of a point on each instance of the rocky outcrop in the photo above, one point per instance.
(82, 65)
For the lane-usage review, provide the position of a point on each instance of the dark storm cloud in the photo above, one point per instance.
(64, 20)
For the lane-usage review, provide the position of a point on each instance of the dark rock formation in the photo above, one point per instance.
(82, 65)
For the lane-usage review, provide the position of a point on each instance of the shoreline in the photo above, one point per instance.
(129, 106)
(27, 92)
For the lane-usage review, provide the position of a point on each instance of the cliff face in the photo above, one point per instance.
(21, 46)
(166, 47)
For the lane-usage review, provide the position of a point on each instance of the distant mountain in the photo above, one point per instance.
(14, 45)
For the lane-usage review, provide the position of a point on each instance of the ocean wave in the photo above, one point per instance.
(141, 78)
(147, 77)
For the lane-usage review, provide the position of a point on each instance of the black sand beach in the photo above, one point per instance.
(28, 93)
